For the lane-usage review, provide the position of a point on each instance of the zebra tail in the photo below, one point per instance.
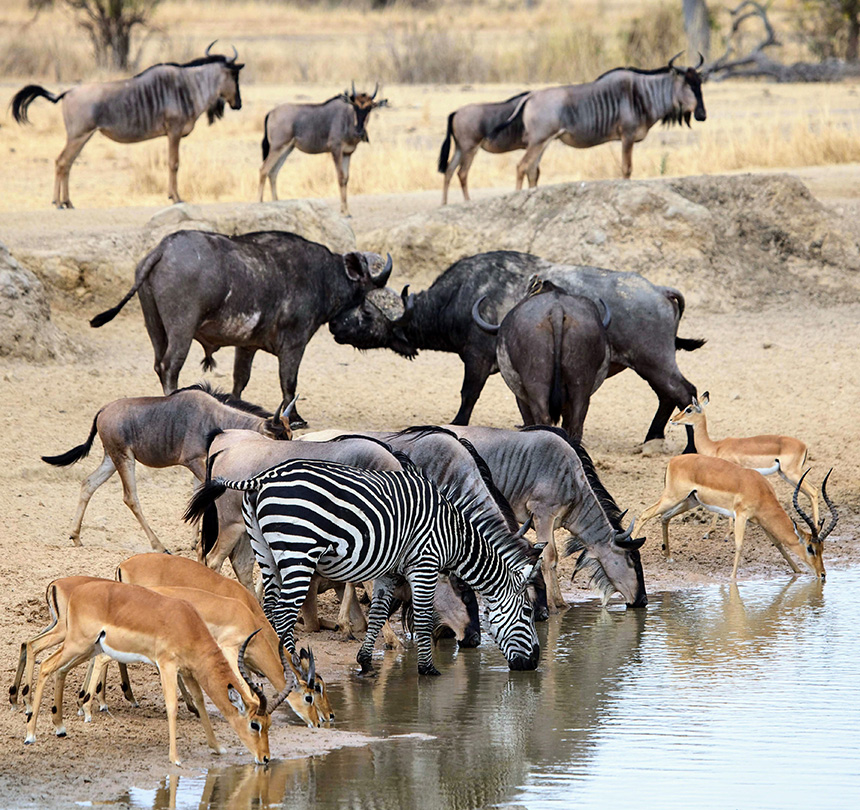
(25, 96)
(556, 391)
(76, 453)
(446, 145)
(141, 274)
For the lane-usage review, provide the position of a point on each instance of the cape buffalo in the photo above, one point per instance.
(269, 290)
(642, 334)
(553, 353)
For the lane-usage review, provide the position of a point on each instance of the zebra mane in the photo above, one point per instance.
(606, 501)
(226, 399)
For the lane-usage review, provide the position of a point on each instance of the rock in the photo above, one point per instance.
(26, 330)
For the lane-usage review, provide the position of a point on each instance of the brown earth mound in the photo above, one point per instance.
(729, 241)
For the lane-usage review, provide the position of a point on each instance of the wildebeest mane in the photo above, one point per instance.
(216, 111)
(200, 60)
(514, 98)
(226, 399)
(640, 71)
(606, 501)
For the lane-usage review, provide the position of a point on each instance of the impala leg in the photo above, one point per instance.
(90, 484)
(740, 528)
(383, 591)
(169, 673)
(712, 527)
(125, 468)
(173, 138)
(197, 694)
(345, 614)
(49, 637)
(309, 611)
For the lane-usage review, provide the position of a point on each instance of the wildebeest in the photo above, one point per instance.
(642, 333)
(553, 353)
(472, 128)
(162, 432)
(622, 104)
(336, 126)
(544, 474)
(268, 291)
(165, 99)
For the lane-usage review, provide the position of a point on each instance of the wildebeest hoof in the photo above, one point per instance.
(428, 669)
(653, 447)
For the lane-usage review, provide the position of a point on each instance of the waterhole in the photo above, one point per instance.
(720, 697)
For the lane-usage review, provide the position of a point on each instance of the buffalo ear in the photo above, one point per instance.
(355, 266)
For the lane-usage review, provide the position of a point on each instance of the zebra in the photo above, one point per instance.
(353, 525)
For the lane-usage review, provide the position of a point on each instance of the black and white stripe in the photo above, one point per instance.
(354, 525)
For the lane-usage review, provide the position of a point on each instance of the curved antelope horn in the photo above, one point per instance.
(701, 60)
(282, 695)
(476, 317)
(206, 53)
(830, 506)
(312, 668)
(607, 313)
(283, 415)
(381, 278)
(806, 519)
(375, 91)
(353, 88)
(244, 673)
(672, 60)
(521, 532)
(235, 55)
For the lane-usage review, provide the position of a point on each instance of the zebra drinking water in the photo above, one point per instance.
(353, 525)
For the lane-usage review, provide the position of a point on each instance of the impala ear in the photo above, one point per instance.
(704, 400)
(236, 699)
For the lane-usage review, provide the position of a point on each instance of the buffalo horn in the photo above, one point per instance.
(206, 53)
(375, 91)
(607, 313)
(381, 279)
(244, 673)
(521, 532)
(476, 317)
(672, 60)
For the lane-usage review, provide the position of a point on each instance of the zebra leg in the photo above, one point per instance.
(383, 592)
(423, 596)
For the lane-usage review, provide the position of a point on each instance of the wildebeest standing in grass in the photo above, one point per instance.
(643, 333)
(336, 126)
(472, 128)
(622, 104)
(162, 432)
(165, 99)
(553, 353)
(269, 291)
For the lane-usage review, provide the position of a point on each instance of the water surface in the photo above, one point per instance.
(721, 697)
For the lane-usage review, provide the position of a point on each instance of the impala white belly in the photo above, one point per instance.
(719, 510)
(767, 470)
(122, 657)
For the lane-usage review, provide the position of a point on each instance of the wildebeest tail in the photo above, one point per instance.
(141, 274)
(514, 122)
(25, 96)
(689, 344)
(446, 145)
(76, 453)
(266, 136)
(203, 499)
(556, 391)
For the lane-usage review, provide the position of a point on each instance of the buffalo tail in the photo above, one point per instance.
(556, 391)
(141, 274)
(689, 344)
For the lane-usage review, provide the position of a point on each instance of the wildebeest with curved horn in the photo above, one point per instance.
(268, 291)
(621, 105)
(553, 353)
(337, 126)
(643, 333)
(473, 127)
(165, 99)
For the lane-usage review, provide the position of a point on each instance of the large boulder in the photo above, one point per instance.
(726, 241)
(26, 331)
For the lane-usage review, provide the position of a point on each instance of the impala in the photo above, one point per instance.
(727, 489)
(767, 454)
(131, 624)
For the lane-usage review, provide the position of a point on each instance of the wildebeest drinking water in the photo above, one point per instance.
(621, 105)
(269, 290)
(165, 99)
(337, 126)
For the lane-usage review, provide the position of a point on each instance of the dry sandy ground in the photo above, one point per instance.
(791, 368)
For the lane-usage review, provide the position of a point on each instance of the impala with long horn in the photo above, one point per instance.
(622, 104)
(744, 495)
(766, 454)
(165, 99)
(336, 126)
(130, 624)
